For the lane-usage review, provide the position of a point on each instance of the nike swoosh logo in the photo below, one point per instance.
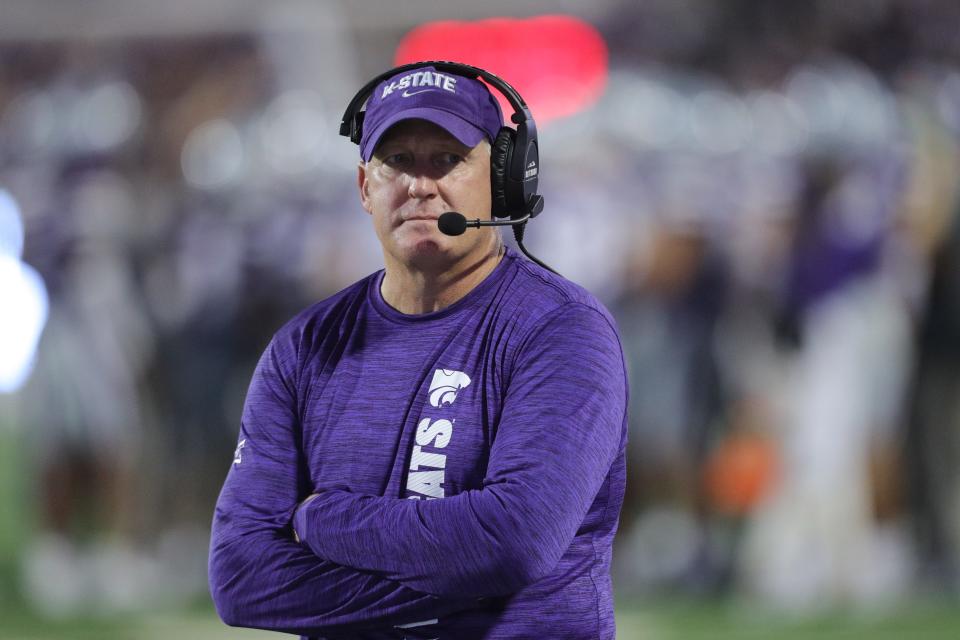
(407, 94)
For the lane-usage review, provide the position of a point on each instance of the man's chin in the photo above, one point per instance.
(430, 254)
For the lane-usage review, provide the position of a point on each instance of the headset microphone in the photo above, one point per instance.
(452, 223)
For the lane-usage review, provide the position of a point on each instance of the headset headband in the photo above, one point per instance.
(351, 125)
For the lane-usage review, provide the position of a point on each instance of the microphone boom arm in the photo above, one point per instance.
(452, 223)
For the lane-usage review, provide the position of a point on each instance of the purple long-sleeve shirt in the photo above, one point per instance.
(510, 405)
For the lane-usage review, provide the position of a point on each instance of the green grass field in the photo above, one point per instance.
(717, 621)
(674, 620)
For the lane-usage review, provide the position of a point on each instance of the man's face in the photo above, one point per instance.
(418, 172)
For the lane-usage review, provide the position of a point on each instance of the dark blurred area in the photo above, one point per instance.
(765, 196)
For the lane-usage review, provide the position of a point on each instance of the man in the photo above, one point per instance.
(460, 371)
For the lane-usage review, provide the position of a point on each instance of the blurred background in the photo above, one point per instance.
(765, 194)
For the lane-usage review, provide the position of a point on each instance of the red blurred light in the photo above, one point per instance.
(557, 63)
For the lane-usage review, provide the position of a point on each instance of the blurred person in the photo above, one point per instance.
(668, 314)
(84, 409)
(460, 371)
(933, 438)
(839, 385)
(931, 234)
(196, 304)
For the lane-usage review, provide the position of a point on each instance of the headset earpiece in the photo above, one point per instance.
(501, 152)
(523, 169)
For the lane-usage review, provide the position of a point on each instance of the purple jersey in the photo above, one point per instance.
(469, 465)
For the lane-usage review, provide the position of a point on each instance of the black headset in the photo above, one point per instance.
(514, 154)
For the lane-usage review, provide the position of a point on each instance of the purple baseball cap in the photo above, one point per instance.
(464, 107)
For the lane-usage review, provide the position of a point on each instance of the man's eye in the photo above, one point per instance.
(450, 159)
(397, 159)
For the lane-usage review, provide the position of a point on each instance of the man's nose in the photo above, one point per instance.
(422, 186)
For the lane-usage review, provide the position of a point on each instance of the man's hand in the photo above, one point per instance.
(296, 536)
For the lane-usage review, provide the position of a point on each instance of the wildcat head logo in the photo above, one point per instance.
(446, 385)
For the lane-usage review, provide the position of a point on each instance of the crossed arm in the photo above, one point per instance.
(562, 426)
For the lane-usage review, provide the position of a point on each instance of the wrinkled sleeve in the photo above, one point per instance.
(259, 576)
(562, 425)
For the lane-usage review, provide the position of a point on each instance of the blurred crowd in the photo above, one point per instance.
(765, 196)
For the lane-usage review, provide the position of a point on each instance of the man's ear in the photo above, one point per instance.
(362, 186)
